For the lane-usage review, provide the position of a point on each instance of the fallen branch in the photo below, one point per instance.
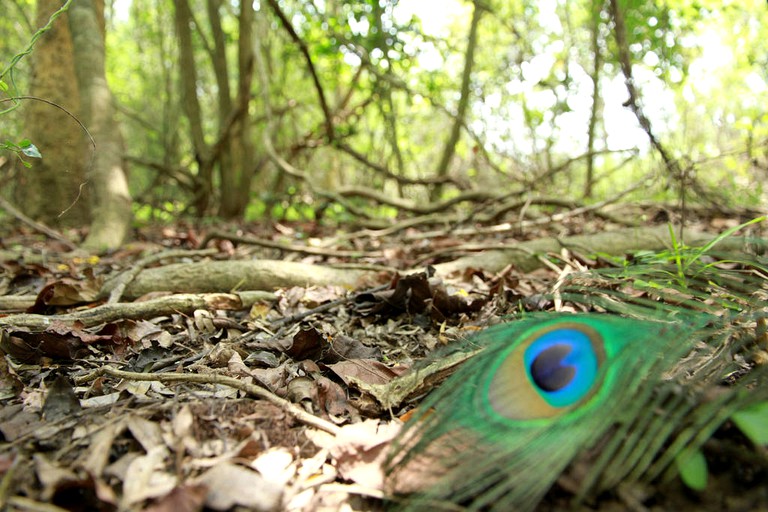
(303, 249)
(226, 276)
(179, 303)
(215, 379)
(129, 275)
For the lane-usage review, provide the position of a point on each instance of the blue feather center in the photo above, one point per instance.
(562, 366)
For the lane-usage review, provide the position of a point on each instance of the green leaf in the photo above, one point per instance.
(693, 469)
(31, 151)
(25, 143)
(3, 86)
(753, 422)
(704, 250)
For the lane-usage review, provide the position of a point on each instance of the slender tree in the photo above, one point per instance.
(597, 64)
(466, 78)
(237, 165)
(110, 198)
(191, 106)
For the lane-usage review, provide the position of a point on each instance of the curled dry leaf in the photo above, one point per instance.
(359, 450)
(231, 485)
(146, 478)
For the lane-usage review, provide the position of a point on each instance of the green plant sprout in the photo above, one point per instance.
(23, 147)
(753, 423)
(685, 257)
(692, 468)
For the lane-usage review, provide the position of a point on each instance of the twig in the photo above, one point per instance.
(387, 173)
(51, 103)
(329, 129)
(557, 217)
(211, 378)
(414, 206)
(315, 251)
(37, 226)
(7, 481)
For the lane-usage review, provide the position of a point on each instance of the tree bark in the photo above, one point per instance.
(50, 190)
(237, 167)
(111, 200)
(226, 276)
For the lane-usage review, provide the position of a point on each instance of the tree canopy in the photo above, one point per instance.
(364, 110)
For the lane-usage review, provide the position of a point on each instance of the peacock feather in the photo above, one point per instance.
(647, 365)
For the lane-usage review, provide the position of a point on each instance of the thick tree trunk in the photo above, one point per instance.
(111, 200)
(50, 190)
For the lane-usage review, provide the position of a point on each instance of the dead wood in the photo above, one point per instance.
(525, 256)
(121, 281)
(213, 378)
(303, 249)
(227, 276)
(16, 302)
(179, 303)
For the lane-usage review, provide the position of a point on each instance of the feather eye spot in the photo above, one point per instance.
(562, 364)
(548, 371)
(545, 373)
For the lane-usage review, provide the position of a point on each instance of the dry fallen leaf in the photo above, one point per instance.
(359, 450)
(145, 478)
(185, 498)
(232, 485)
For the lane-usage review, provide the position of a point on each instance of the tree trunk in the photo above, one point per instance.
(246, 58)
(191, 105)
(597, 63)
(237, 165)
(224, 146)
(50, 190)
(111, 200)
(453, 138)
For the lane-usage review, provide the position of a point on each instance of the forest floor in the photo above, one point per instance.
(184, 399)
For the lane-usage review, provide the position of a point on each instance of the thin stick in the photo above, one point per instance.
(38, 226)
(211, 378)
